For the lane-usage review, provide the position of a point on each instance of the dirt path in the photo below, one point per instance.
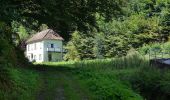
(60, 85)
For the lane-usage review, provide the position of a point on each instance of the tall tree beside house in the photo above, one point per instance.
(83, 46)
(21, 32)
(66, 16)
(73, 47)
(143, 22)
(98, 45)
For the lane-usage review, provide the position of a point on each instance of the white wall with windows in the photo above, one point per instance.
(35, 51)
(44, 51)
(55, 48)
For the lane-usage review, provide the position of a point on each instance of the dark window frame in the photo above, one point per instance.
(52, 45)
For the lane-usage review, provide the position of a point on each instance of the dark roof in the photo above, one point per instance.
(48, 34)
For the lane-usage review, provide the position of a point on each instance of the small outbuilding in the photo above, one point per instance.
(45, 46)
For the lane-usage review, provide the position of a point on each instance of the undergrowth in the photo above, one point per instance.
(126, 78)
(24, 85)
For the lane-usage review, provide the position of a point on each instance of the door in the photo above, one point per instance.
(31, 57)
(49, 57)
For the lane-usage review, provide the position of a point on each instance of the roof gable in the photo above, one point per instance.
(48, 34)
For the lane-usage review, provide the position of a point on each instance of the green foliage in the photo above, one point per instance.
(43, 27)
(119, 26)
(154, 47)
(114, 63)
(24, 84)
(64, 16)
(107, 88)
(20, 30)
(145, 49)
(106, 78)
(10, 57)
(143, 22)
(7, 53)
(73, 47)
(99, 76)
(151, 83)
(122, 78)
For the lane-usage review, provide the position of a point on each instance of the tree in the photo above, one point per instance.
(63, 16)
(73, 47)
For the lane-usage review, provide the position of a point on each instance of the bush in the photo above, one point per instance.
(133, 60)
(152, 83)
(119, 78)
(103, 77)
(24, 85)
(104, 87)
(145, 49)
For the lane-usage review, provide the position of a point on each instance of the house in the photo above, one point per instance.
(45, 46)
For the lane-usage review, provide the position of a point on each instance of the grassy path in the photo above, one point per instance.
(60, 84)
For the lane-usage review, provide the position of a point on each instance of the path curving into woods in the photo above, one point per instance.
(60, 84)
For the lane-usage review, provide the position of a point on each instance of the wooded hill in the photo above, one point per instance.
(92, 28)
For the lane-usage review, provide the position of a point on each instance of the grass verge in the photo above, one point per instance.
(25, 85)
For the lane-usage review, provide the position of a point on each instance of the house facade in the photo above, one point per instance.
(45, 46)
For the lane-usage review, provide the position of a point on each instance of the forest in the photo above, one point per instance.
(107, 44)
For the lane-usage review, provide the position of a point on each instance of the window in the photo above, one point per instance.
(31, 56)
(40, 57)
(49, 57)
(40, 44)
(52, 45)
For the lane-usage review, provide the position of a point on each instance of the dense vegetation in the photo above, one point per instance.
(104, 79)
(20, 18)
(143, 22)
(126, 78)
(92, 29)
(23, 84)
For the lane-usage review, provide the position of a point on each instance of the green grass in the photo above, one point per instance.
(131, 76)
(56, 64)
(60, 83)
(100, 77)
(156, 50)
(25, 85)
(126, 78)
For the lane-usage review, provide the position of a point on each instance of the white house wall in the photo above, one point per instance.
(40, 50)
(37, 50)
(56, 56)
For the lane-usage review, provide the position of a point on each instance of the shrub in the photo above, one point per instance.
(103, 79)
(107, 88)
(132, 60)
(24, 84)
(152, 83)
